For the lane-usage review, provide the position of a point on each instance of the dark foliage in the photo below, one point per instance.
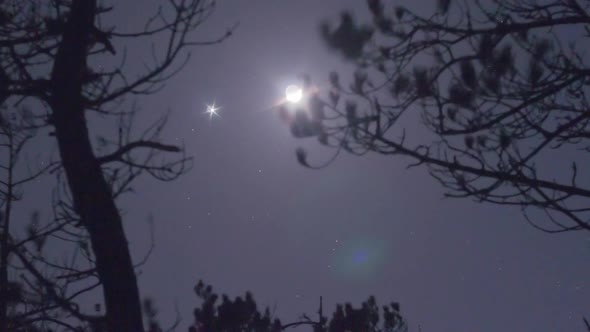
(242, 315)
(485, 96)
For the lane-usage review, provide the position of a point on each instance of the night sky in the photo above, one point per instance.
(249, 217)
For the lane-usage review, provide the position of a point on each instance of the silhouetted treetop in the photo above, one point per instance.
(242, 315)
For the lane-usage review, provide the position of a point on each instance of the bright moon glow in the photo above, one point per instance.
(212, 110)
(293, 93)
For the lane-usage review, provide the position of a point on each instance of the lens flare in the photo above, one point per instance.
(360, 258)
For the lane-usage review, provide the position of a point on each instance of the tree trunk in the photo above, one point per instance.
(92, 196)
(4, 245)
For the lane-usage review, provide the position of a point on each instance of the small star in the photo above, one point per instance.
(212, 110)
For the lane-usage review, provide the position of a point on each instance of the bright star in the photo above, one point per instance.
(212, 110)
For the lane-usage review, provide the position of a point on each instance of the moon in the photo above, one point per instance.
(293, 93)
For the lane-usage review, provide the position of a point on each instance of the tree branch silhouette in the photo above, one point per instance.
(484, 100)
